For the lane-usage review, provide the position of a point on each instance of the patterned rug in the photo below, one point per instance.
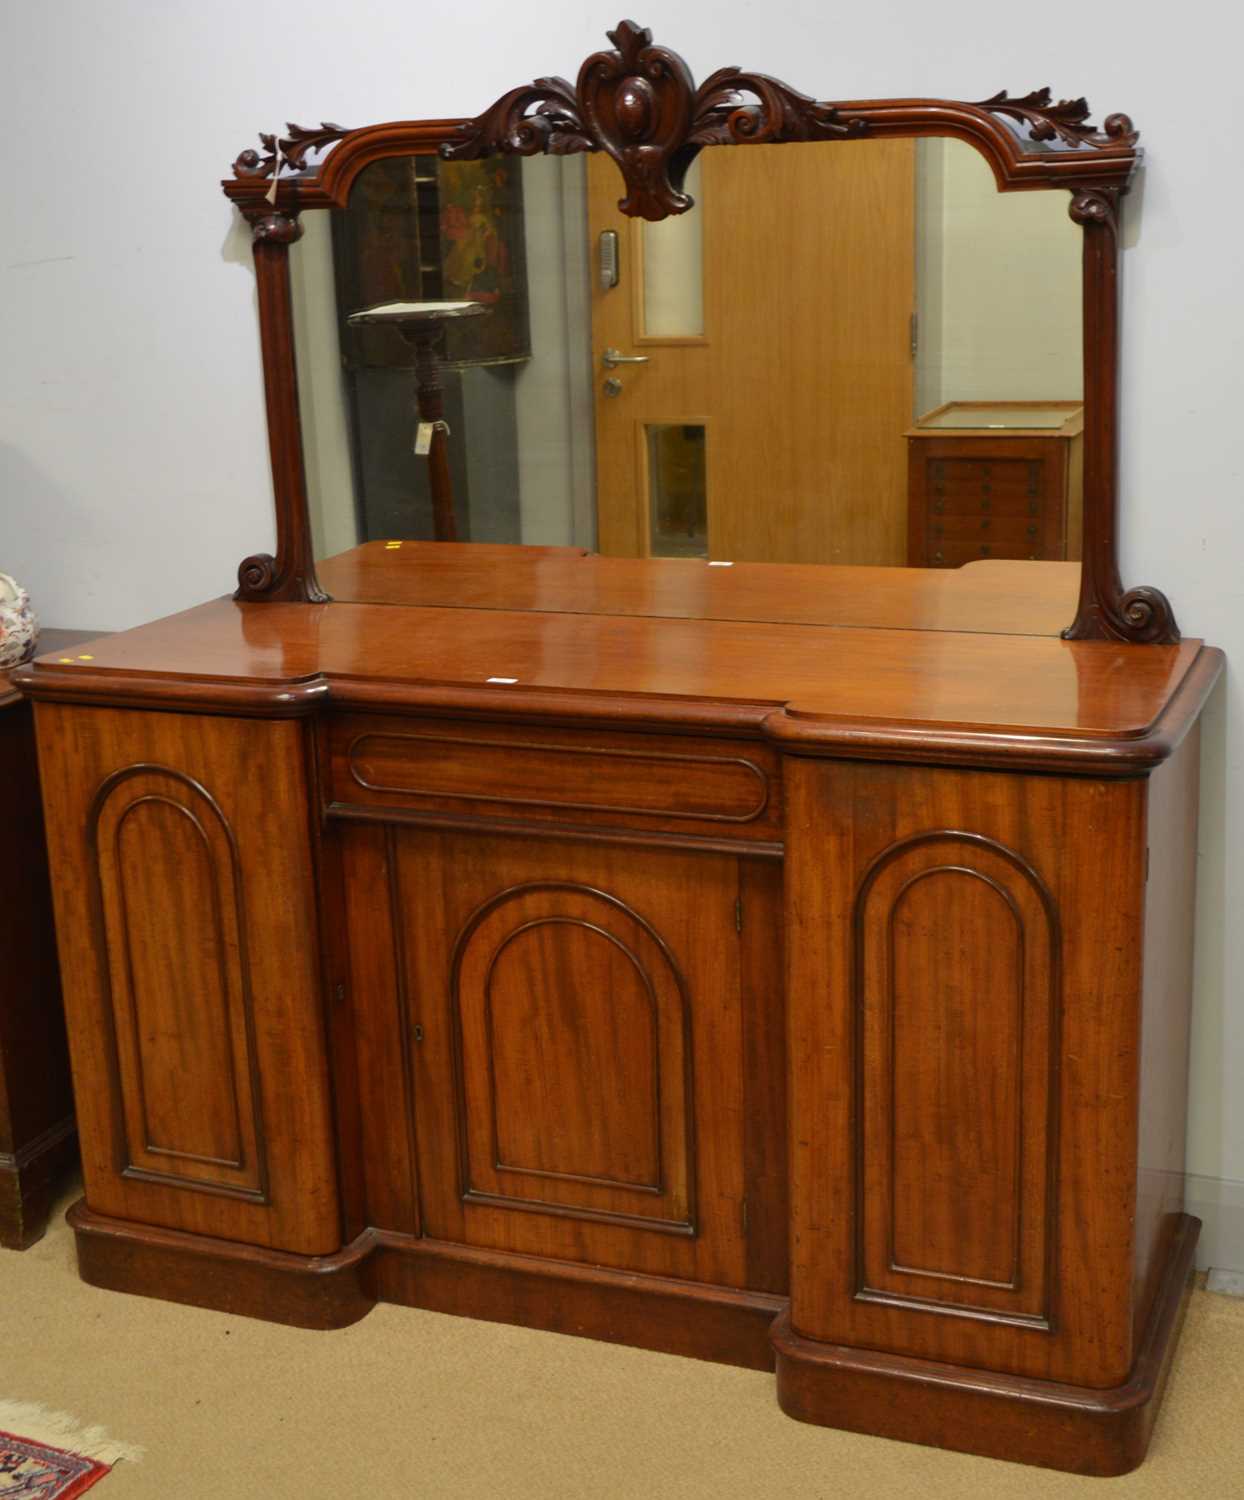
(51, 1455)
(34, 1471)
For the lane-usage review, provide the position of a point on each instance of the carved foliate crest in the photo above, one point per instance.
(640, 104)
(289, 153)
(1066, 121)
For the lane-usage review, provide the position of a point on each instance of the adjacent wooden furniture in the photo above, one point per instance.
(37, 1139)
(781, 965)
(995, 479)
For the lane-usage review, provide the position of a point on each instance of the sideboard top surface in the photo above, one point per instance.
(1023, 702)
(1001, 597)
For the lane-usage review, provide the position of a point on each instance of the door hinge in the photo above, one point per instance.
(913, 329)
(738, 914)
(1146, 863)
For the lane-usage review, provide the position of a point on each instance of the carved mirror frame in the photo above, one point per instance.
(639, 103)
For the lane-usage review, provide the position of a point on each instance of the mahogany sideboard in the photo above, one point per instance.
(37, 1140)
(780, 964)
(807, 996)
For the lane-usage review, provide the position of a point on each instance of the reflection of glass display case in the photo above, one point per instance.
(995, 479)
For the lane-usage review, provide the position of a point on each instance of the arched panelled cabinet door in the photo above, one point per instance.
(956, 1007)
(182, 1012)
(565, 1100)
(573, 1016)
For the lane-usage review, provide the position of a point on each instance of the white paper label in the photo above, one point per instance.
(423, 438)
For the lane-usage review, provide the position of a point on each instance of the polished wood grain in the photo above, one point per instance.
(377, 993)
(333, 1291)
(583, 951)
(766, 1121)
(194, 1006)
(722, 1323)
(972, 699)
(183, 1008)
(246, 1280)
(1048, 1423)
(571, 1027)
(1007, 598)
(430, 769)
(955, 961)
(707, 974)
(1166, 1006)
(1047, 1130)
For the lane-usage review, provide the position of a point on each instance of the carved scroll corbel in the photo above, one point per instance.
(1106, 612)
(289, 577)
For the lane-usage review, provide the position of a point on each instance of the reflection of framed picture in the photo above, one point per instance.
(419, 229)
(483, 256)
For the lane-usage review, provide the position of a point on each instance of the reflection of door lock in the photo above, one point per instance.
(612, 386)
(612, 357)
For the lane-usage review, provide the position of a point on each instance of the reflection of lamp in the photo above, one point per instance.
(422, 324)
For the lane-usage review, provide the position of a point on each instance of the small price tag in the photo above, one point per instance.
(423, 438)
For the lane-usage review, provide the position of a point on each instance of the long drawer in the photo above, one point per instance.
(435, 767)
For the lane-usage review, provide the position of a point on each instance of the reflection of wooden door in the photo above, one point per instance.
(579, 1042)
(802, 378)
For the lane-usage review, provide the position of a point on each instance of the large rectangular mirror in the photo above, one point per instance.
(570, 354)
(854, 353)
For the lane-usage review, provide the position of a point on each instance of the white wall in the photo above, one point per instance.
(553, 389)
(323, 400)
(133, 463)
(999, 283)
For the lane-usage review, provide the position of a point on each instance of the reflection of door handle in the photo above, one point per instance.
(612, 357)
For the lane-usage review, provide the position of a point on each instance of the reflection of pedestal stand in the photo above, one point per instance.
(422, 325)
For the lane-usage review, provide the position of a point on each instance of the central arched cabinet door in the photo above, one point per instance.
(571, 1038)
(575, 1040)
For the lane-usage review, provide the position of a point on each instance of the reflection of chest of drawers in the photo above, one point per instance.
(1007, 485)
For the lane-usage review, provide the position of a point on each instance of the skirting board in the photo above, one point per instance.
(1219, 1204)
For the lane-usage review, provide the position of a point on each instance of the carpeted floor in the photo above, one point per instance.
(414, 1404)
